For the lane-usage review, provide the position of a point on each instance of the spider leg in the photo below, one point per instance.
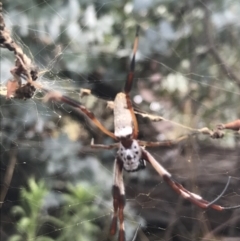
(101, 146)
(178, 188)
(85, 92)
(55, 95)
(154, 118)
(215, 134)
(129, 82)
(162, 143)
(118, 193)
(128, 86)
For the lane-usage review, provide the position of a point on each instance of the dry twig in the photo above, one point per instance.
(8, 176)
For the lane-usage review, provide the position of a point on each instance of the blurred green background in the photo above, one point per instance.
(187, 70)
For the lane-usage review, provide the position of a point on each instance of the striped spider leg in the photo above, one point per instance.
(131, 155)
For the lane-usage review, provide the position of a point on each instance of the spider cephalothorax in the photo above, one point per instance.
(131, 156)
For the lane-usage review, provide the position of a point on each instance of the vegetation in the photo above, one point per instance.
(186, 71)
(34, 223)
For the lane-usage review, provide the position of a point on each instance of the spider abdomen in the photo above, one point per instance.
(122, 117)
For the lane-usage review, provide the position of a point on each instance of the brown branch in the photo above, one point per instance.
(209, 37)
(234, 125)
(8, 176)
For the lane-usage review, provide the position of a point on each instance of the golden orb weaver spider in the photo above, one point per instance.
(132, 155)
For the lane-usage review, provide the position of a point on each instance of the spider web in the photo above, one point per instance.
(87, 44)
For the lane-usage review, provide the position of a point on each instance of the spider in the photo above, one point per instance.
(132, 155)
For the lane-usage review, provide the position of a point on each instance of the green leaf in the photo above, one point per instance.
(23, 224)
(15, 237)
(18, 211)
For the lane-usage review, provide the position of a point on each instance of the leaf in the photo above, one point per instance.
(15, 237)
(18, 211)
(24, 224)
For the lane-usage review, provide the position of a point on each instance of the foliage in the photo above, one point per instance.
(81, 43)
(29, 212)
(78, 212)
(78, 207)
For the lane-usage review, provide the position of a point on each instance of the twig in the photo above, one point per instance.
(8, 176)
(234, 125)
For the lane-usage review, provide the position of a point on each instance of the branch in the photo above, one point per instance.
(8, 176)
(234, 125)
